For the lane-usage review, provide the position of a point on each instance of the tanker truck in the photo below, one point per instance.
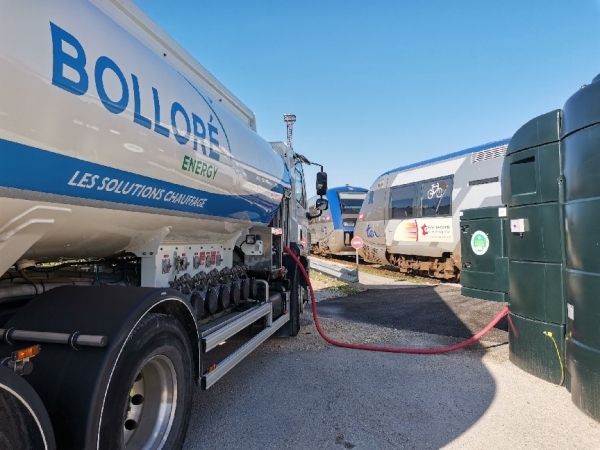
(144, 225)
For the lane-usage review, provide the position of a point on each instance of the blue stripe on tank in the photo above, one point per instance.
(33, 169)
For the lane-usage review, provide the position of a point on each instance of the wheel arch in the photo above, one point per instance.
(110, 311)
(185, 316)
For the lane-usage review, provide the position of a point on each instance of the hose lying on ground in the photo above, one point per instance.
(375, 348)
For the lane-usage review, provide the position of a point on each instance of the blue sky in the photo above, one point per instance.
(380, 84)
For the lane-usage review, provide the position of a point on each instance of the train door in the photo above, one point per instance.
(403, 212)
(371, 222)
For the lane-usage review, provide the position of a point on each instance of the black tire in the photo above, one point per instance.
(24, 422)
(155, 363)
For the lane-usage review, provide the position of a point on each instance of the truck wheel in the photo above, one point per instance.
(24, 422)
(148, 400)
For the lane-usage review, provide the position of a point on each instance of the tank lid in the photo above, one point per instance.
(538, 131)
(582, 109)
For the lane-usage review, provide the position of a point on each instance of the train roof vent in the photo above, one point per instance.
(489, 153)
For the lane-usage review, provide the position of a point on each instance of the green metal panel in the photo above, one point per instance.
(583, 306)
(549, 158)
(581, 164)
(524, 174)
(582, 109)
(531, 191)
(538, 131)
(582, 208)
(582, 238)
(583, 365)
(536, 291)
(542, 240)
(482, 244)
(581, 173)
(537, 347)
(483, 251)
(567, 383)
(494, 296)
(490, 277)
(530, 176)
(531, 166)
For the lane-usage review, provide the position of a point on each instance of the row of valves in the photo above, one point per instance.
(216, 290)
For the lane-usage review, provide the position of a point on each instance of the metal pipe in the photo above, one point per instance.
(74, 339)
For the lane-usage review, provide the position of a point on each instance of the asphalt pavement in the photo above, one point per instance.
(439, 310)
(302, 393)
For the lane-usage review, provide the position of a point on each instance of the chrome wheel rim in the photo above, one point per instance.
(151, 405)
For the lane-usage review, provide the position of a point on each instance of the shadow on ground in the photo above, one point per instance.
(336, 398)
(439, 310)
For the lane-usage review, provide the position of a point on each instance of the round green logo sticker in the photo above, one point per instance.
(480, 243)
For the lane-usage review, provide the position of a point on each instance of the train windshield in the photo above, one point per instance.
(351, 202)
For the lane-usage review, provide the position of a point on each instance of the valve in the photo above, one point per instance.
(181, 263)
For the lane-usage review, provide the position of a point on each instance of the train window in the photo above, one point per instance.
(403, 201)
(351, 202)
(436, 197)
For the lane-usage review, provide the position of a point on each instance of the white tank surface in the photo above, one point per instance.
(107, 143)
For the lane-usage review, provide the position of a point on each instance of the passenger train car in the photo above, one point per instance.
(410, 216)
(331, 233)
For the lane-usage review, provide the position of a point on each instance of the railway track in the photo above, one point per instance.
(344, 269)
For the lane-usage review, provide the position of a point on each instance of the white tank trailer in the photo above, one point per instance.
(142, 226)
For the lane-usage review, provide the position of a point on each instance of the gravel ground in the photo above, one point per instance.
(343, 330)
(302, 393)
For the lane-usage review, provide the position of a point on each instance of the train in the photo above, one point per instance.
(410, 217)
(331, 233)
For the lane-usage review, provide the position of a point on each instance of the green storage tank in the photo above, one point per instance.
(581, 169)
(484, 271)
(530, 190)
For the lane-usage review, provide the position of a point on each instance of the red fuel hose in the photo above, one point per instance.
(375, 348)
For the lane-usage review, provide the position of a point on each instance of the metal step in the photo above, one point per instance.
(232, 360)
(231, 316)
(210, 341)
